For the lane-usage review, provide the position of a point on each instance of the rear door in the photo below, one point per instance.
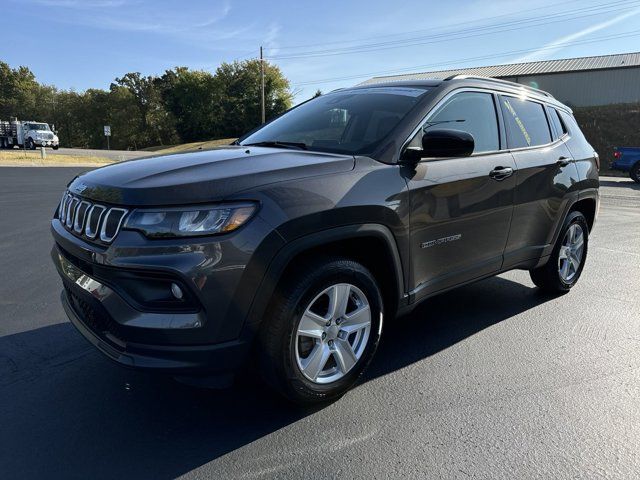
(546, 175)
(461, 207)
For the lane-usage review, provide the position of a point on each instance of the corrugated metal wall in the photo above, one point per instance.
(590, 88)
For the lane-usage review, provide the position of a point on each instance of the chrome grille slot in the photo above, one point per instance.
(111, 224)
(93, 220)
(81, 213)
(89, 220)
(61, 208)
(71, 210)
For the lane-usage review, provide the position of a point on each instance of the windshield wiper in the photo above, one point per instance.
(439, 122)
(277, 144)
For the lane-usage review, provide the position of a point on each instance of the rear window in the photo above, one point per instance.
(526, 122)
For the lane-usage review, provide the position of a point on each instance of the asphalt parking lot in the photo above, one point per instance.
(493, 380)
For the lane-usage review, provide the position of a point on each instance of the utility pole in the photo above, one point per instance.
(262, 84)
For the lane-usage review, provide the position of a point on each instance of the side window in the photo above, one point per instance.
(526, 122)
(572, 125)
(471, 112)
(558, 126)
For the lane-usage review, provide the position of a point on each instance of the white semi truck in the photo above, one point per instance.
(27, 134)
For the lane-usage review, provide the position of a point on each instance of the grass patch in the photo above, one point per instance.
(20, 158)
(190, 147)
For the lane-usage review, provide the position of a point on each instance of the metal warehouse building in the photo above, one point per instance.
(579, 82)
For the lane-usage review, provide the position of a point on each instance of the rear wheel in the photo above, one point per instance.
(634, 173)
(322, 331)
(566, 262)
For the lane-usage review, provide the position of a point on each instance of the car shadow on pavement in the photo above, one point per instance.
(67, 412)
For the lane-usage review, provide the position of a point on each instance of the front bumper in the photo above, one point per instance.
(103, 286)
(45, 143)
(84, 300)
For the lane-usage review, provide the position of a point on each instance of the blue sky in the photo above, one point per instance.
(80, 44)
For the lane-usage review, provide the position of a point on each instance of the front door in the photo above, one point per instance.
(461, 207)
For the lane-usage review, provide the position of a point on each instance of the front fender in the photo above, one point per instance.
(283, 257)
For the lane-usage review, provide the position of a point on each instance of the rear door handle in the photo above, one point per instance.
(500, 173)
(563, 161)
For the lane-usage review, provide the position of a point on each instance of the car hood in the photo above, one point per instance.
(202, 177)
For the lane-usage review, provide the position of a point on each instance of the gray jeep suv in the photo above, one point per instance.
(293, 246)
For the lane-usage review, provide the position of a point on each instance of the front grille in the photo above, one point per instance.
(94, 317)
(90, 220)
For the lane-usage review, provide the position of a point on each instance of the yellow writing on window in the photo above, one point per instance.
(518, 121)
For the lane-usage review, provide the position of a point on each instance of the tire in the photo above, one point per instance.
(55, 147)
(559, 275)
(634, 173)
(286, 358)
(30, 144)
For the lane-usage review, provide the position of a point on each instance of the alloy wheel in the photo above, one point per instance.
(333, 333)
(571, 251)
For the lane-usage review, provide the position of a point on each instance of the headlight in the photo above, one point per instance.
(190, 221)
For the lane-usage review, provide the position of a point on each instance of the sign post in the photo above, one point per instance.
(107, 133)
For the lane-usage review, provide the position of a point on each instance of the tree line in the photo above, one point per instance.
(182, 105)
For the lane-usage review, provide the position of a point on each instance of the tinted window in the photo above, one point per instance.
(347, 121)
(526, 122)
(558, 126)
(572, 126)
(471, 112)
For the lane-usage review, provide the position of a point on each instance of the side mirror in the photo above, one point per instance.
(442, 144)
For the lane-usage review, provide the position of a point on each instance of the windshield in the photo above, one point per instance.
(346, 121)
(37, 126)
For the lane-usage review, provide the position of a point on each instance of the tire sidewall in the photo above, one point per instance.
(326, 276)
(572, 218)
(635, 173)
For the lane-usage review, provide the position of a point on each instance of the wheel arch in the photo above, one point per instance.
(373, 245)
(588, 207)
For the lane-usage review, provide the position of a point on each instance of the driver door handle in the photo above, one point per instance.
(563, 161)
(500, 173)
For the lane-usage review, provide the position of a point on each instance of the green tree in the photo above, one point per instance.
(156, 125)
(192, 97)
(238, 86)
(181, 105)
(18, 92)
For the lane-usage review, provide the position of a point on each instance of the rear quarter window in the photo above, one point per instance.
(558, 126)
(526, 122)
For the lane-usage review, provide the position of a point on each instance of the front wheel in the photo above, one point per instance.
(323, 331)
(31, 144)
(634, 173)
(564, 267)
(55, 147)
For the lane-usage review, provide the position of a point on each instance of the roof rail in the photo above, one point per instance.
(497, 80)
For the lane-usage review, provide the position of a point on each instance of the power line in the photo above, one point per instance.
(632, 33)
(411, 32)
(462, 34)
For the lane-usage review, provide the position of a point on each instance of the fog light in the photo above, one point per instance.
(177, 291)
